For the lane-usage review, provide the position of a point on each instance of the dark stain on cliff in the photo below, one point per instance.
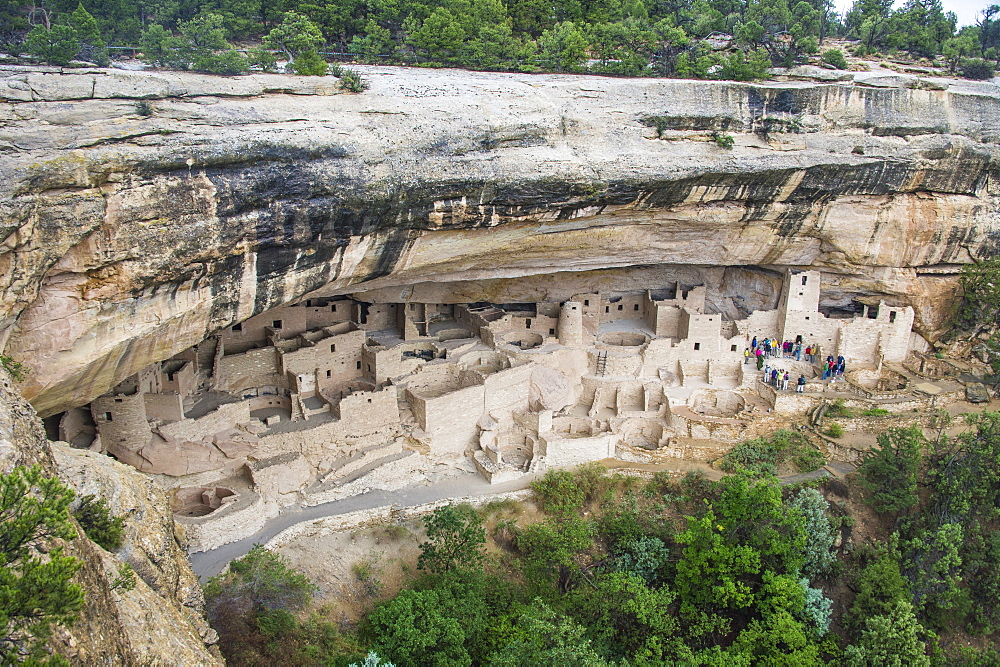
(390, 249)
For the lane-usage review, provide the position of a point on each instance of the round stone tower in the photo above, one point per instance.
(571, 324)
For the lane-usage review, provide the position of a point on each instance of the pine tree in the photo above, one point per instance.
(35, 589)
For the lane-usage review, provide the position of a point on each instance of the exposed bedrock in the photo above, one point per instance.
(131, 232)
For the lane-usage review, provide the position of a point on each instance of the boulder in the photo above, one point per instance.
(977, 392)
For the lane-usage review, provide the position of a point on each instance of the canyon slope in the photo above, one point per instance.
(142, 212)
(157, 621)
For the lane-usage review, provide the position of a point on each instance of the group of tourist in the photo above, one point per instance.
(778, 378)
(834, 368)
(770, 348)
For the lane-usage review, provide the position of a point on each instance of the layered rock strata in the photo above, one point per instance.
(143, 212)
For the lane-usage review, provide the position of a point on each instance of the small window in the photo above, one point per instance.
(607, 309)
(552, 332)
(807, 317)
(369, 368)
(333, 308)
(574, 307)
(107, 417)
(329, 373)
(800, 293)
(527, 323)
(732, 348)
(697, 346)
(309, 303)
(333, 347)
(359, 366)
(118, 400)
(369, 400)
(805, 279)
(413, 306)
(586, 302)
(276, 324)
(621, 307)
(635, 307)
(892, 316)
(238, 327)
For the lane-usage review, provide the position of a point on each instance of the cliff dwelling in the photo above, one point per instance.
(248, 301)
(286, 406)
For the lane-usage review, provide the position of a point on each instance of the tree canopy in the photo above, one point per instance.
(620, 37)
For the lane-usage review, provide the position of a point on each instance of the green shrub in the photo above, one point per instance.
(890, 472)
(880, 587)
(978, 69)
(742, 67)
(820, 535)
(55, 46)
(836, 58)
(763, 456)
(455, 538)
(892, 639)
(96, 520)
(309, 63)
(658, 485)
(723, 140)
(558, 492)
(834, 430)
(125, 581)
(643, 557)
(367, 572)
(256, 586)
(875, 412)
(395, 532)
(757, 455)
(621, 523)
(807, 458)
(838, 409)
(261, 580)
(351, 81)
(592, 479)
(262, 59)
(227, 62)
(15, 369)
(501, 506)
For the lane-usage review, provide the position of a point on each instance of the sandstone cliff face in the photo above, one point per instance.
(160, 621)
(129, 237)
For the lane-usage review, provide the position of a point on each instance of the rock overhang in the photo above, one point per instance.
(131, 237)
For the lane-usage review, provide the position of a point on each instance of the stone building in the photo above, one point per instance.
(517, 386)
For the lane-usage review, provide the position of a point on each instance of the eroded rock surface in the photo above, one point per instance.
(133, 231)
(160, 621)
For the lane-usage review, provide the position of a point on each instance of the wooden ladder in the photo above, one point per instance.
(602, 362)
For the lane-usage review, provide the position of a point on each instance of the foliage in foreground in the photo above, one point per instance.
(95, 518)
(36, 592)
(254, 602)
(737, 572)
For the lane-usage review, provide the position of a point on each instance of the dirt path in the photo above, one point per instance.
(209, 563)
